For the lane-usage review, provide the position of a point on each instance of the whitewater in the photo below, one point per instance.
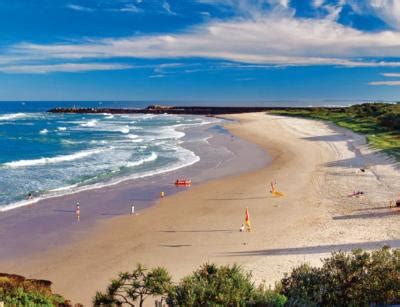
(47, 155)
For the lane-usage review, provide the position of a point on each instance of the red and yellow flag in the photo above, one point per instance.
(247, 219)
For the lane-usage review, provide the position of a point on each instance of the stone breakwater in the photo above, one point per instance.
(158, 109)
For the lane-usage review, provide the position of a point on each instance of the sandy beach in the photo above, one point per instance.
(316, 166)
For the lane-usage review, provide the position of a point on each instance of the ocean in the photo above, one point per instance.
(44, 155)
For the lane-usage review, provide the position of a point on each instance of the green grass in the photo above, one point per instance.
(370, 120)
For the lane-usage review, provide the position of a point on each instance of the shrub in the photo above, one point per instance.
(15, 290)
(356, 279)
(390, 120)
(221, 286)
(263, 297)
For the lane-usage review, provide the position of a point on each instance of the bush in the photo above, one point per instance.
(221, 286)
(390, 120)
(356, 279)
(15, 290)
(263, 297)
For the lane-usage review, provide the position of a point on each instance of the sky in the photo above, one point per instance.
(245, 51)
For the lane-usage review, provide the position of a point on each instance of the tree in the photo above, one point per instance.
(135, 286)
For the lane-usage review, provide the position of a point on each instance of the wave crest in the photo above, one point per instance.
(57, 159)
(13, 116)
(152, 157)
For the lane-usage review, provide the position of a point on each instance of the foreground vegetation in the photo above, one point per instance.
(380, 122)
(345, 279)
(16, 290)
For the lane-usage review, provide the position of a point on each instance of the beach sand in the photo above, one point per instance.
(315, 164)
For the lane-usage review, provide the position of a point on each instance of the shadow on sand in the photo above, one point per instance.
(175, 245)
(242, 198)
(319, 249)
(328, 138)
(199, 231)
(64, 211)
(372, 215)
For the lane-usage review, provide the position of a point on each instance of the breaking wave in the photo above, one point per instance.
(58, 159)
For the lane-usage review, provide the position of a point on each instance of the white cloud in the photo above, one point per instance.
(387, 83)
(391, 75)
(131, 8)
(251, 8)
(270, 39)
(284, 3)
(167, 7)
(76, 7)
(387, 10)
(66, 67)
(317, 3)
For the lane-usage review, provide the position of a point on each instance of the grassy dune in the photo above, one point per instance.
(380, 122)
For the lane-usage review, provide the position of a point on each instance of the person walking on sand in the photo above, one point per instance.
(78, 211)
(242, 228)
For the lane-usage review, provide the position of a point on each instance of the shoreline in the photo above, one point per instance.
(315, 168)
(53, 220)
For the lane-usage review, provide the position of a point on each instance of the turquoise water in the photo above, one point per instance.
(46, 155)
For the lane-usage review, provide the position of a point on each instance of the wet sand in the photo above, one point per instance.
(316, 166)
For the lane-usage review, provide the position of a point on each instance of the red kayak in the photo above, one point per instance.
(183, 182)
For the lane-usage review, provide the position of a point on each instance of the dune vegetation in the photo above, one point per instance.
(358, 278)
(379, 122)
(16, 290)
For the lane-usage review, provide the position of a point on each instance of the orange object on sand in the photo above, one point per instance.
(183, 182)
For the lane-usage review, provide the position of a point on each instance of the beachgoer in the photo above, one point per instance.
(78, 212)
(242, 228)
(162, 194)
(133, 210)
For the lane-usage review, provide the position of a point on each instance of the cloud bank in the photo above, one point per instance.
(275, 37)
(272, 39)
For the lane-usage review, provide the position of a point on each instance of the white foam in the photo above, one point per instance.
(90, 123)
(58, 159)
(69, 142)
(44, 131)
(20, 204)
(169, 133)
(124, 129)
(152, 157)
(13, 116)
(102, 142)
(137, 140)
(62, 128)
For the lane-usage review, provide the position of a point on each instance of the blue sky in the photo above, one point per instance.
(200, 50)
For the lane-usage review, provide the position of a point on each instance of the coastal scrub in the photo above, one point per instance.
(379, 122)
